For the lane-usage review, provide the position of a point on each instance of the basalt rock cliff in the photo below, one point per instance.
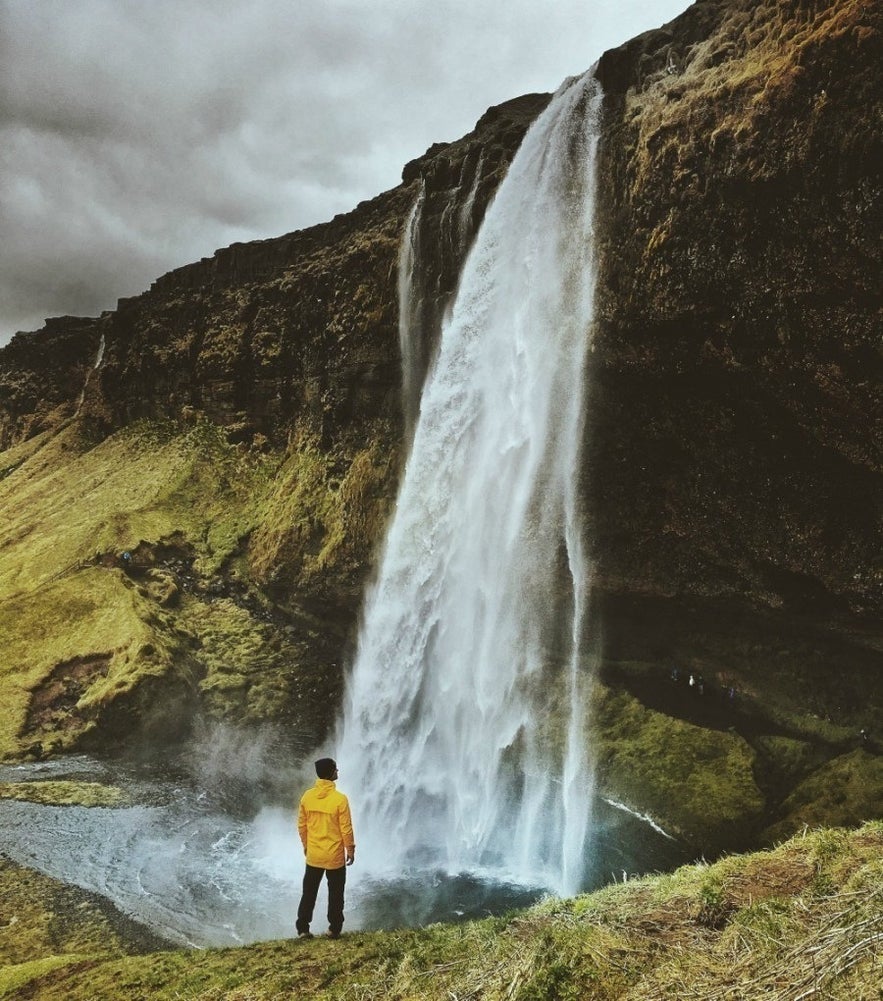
(242, 437)
(735, 464)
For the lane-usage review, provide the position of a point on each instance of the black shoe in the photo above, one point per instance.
(304, 934)
(332, 934)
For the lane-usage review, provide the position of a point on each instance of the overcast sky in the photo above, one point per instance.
(140, 135)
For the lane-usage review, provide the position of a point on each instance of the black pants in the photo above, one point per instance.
(336, 882)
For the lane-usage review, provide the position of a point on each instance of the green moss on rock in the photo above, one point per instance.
(71, 645)
(64, 793)
(846, 791)
(82, 630)
(245, 667)
(695, 782)
(324, 514)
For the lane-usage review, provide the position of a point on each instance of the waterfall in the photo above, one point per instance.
(463, 737)
(422, 290)
(99, 358)
(441, 222)
(411, 314)
(464, 224)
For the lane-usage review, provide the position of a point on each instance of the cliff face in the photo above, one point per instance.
(741, 306)
(737, 420)
(42, 375)
(732, 468)
(734, 453)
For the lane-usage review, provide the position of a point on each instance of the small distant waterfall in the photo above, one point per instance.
(423, 292)
(411, 306)
(99, 358)
(464, 224)
(463, 738)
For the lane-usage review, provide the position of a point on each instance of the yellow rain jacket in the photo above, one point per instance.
(325, 826)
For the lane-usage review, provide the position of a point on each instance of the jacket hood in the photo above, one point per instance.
(324, 787)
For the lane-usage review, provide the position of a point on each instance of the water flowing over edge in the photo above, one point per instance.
(99, 360)
(463, 738)
(410, 314)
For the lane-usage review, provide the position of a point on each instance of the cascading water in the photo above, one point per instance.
(411, 315)
(442, 222)
(99, 359)
(464, 220)
(463, 738)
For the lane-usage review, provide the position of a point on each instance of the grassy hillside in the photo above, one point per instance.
(98, 648)
(81, 633)
(43, 924)
(803, 920)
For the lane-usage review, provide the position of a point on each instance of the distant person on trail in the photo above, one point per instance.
(326, 831)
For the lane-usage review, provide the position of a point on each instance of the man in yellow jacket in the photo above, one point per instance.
(326, 831)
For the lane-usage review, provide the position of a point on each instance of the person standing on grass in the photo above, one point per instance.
(326, 832)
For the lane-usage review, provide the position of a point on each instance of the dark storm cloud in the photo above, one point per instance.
(136, 137)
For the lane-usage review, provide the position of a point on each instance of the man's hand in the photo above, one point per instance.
(351, 857)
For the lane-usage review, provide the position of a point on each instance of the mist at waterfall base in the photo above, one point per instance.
(463, 740)
(207, 853)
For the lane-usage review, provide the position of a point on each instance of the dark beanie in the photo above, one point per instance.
(326, 767)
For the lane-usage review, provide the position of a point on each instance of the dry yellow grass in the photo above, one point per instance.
(804, 920)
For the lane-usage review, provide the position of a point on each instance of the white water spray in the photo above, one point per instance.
(463, 741)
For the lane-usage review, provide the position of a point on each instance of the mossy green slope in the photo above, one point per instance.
(735, 780)
(244, 575)
(66, 606)
(45, 925)
(698, 782)
(805, 919)
(849, 788)
(94, 646)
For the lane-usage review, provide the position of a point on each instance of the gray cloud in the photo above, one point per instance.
(136, 137)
